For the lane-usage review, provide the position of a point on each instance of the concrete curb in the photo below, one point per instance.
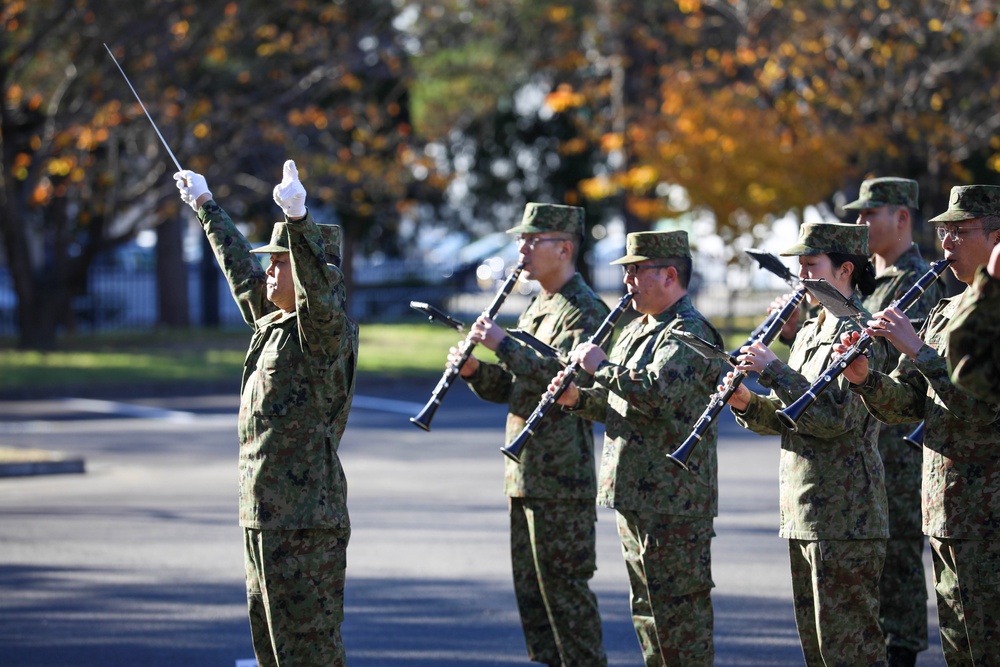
(47, 463)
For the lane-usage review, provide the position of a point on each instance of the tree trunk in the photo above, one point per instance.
(171, 275)
(347, 265)
(209, 273)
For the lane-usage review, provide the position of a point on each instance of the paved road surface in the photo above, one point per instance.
(138, 562)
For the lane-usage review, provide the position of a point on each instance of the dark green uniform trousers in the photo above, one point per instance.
(295, 595)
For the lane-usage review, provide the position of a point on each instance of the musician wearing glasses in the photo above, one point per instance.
(961, 467)
(832, 495)
(888, 207)
(296, 393)
(648, 392)
(551, 491)
(973, 352)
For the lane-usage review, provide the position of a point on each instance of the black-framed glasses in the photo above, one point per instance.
(954, 231)
(530, 242)
(633, 269)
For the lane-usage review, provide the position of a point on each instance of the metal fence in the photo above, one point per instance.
(119, 299)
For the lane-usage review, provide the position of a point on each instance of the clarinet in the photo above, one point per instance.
(765, 334)
(423, 419)
(549, 399)
(790, 415)
(917, 437)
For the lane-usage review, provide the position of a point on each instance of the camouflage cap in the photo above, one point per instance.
(279, 241)
(550, 218)
(887, 191)
(968, 202)
(821, 238)
(640, 246)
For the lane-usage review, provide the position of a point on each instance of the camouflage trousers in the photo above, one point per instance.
(903, 586)
(295, 595)
(967, 587)
(835, 594)
(553, 553)
(669, 563)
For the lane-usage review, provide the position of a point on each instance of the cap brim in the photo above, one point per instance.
(799, 249)
(863, 203)
(630, 259)
(269, 249)
(526, 229)
(955, 216)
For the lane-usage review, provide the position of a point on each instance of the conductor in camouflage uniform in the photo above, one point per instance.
(649, 392)
(961, 496)
(974, 334)
(296, 391)
(551, 491)
(888, 207)
(832, 495)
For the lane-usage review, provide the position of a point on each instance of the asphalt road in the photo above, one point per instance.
(138, 561)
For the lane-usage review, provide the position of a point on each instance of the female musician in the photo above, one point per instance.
(832, 495)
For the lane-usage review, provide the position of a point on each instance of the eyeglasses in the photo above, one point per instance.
(633, 269)
(530, 242)
(954, 231)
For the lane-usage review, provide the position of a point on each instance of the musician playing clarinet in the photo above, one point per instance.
(551, 491)
(888, 207)
(832, 495)
(961, 468)
(648, 393)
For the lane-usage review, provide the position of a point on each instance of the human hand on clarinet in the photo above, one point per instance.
(755, 358)
(570, 397)
(588, 356)
(487, 332)
(740, 398)
(893, 325)
(470, 366)
(857, 371)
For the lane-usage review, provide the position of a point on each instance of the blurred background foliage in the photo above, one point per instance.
(408, 114)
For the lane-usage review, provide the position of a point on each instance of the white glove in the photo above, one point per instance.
(191, 186)
(289, 194)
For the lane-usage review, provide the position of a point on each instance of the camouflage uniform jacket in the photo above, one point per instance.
(973, 352)
(830, 472)
(558, 462)
(889, 286)
(649, 396)
(298, 381)
(961, 499)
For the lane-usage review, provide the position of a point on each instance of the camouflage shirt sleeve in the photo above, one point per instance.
(901, 396)
(973, 352)
(320, 294)
(242, 269)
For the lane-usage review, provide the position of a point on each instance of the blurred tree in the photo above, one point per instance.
(485, 70)
(235, 89)
(761, 107)
(754, 108)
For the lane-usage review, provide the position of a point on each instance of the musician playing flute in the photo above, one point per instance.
(296, 393)
(961, 467)
(832, 495)
(888, 207)
(551, 491)
(648, 392)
